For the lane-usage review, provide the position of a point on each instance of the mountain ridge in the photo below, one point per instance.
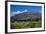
(26, 16)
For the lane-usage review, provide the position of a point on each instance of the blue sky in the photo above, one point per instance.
(15, 9)
(23, 7)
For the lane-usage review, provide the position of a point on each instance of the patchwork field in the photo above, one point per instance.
(26, 24)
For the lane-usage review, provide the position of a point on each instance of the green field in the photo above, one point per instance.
(26, 24)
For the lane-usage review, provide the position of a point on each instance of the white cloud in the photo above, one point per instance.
(18, 12)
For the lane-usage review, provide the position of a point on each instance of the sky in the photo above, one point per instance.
(16, 9)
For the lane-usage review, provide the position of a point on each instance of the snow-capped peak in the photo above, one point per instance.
(18, 12)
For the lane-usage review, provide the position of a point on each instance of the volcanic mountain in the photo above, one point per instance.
(26, 16)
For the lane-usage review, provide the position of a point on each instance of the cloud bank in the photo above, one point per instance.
(18, 12)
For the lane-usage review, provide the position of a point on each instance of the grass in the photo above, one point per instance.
(26, 24)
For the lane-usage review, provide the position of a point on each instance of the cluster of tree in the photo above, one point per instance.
(31, 19)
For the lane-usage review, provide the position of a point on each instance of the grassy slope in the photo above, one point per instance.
(25, 24)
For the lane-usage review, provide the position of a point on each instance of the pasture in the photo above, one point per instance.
(26, 24)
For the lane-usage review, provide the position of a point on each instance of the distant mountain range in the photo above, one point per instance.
(26, 16)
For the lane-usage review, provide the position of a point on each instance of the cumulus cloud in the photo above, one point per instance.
(18, 12)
